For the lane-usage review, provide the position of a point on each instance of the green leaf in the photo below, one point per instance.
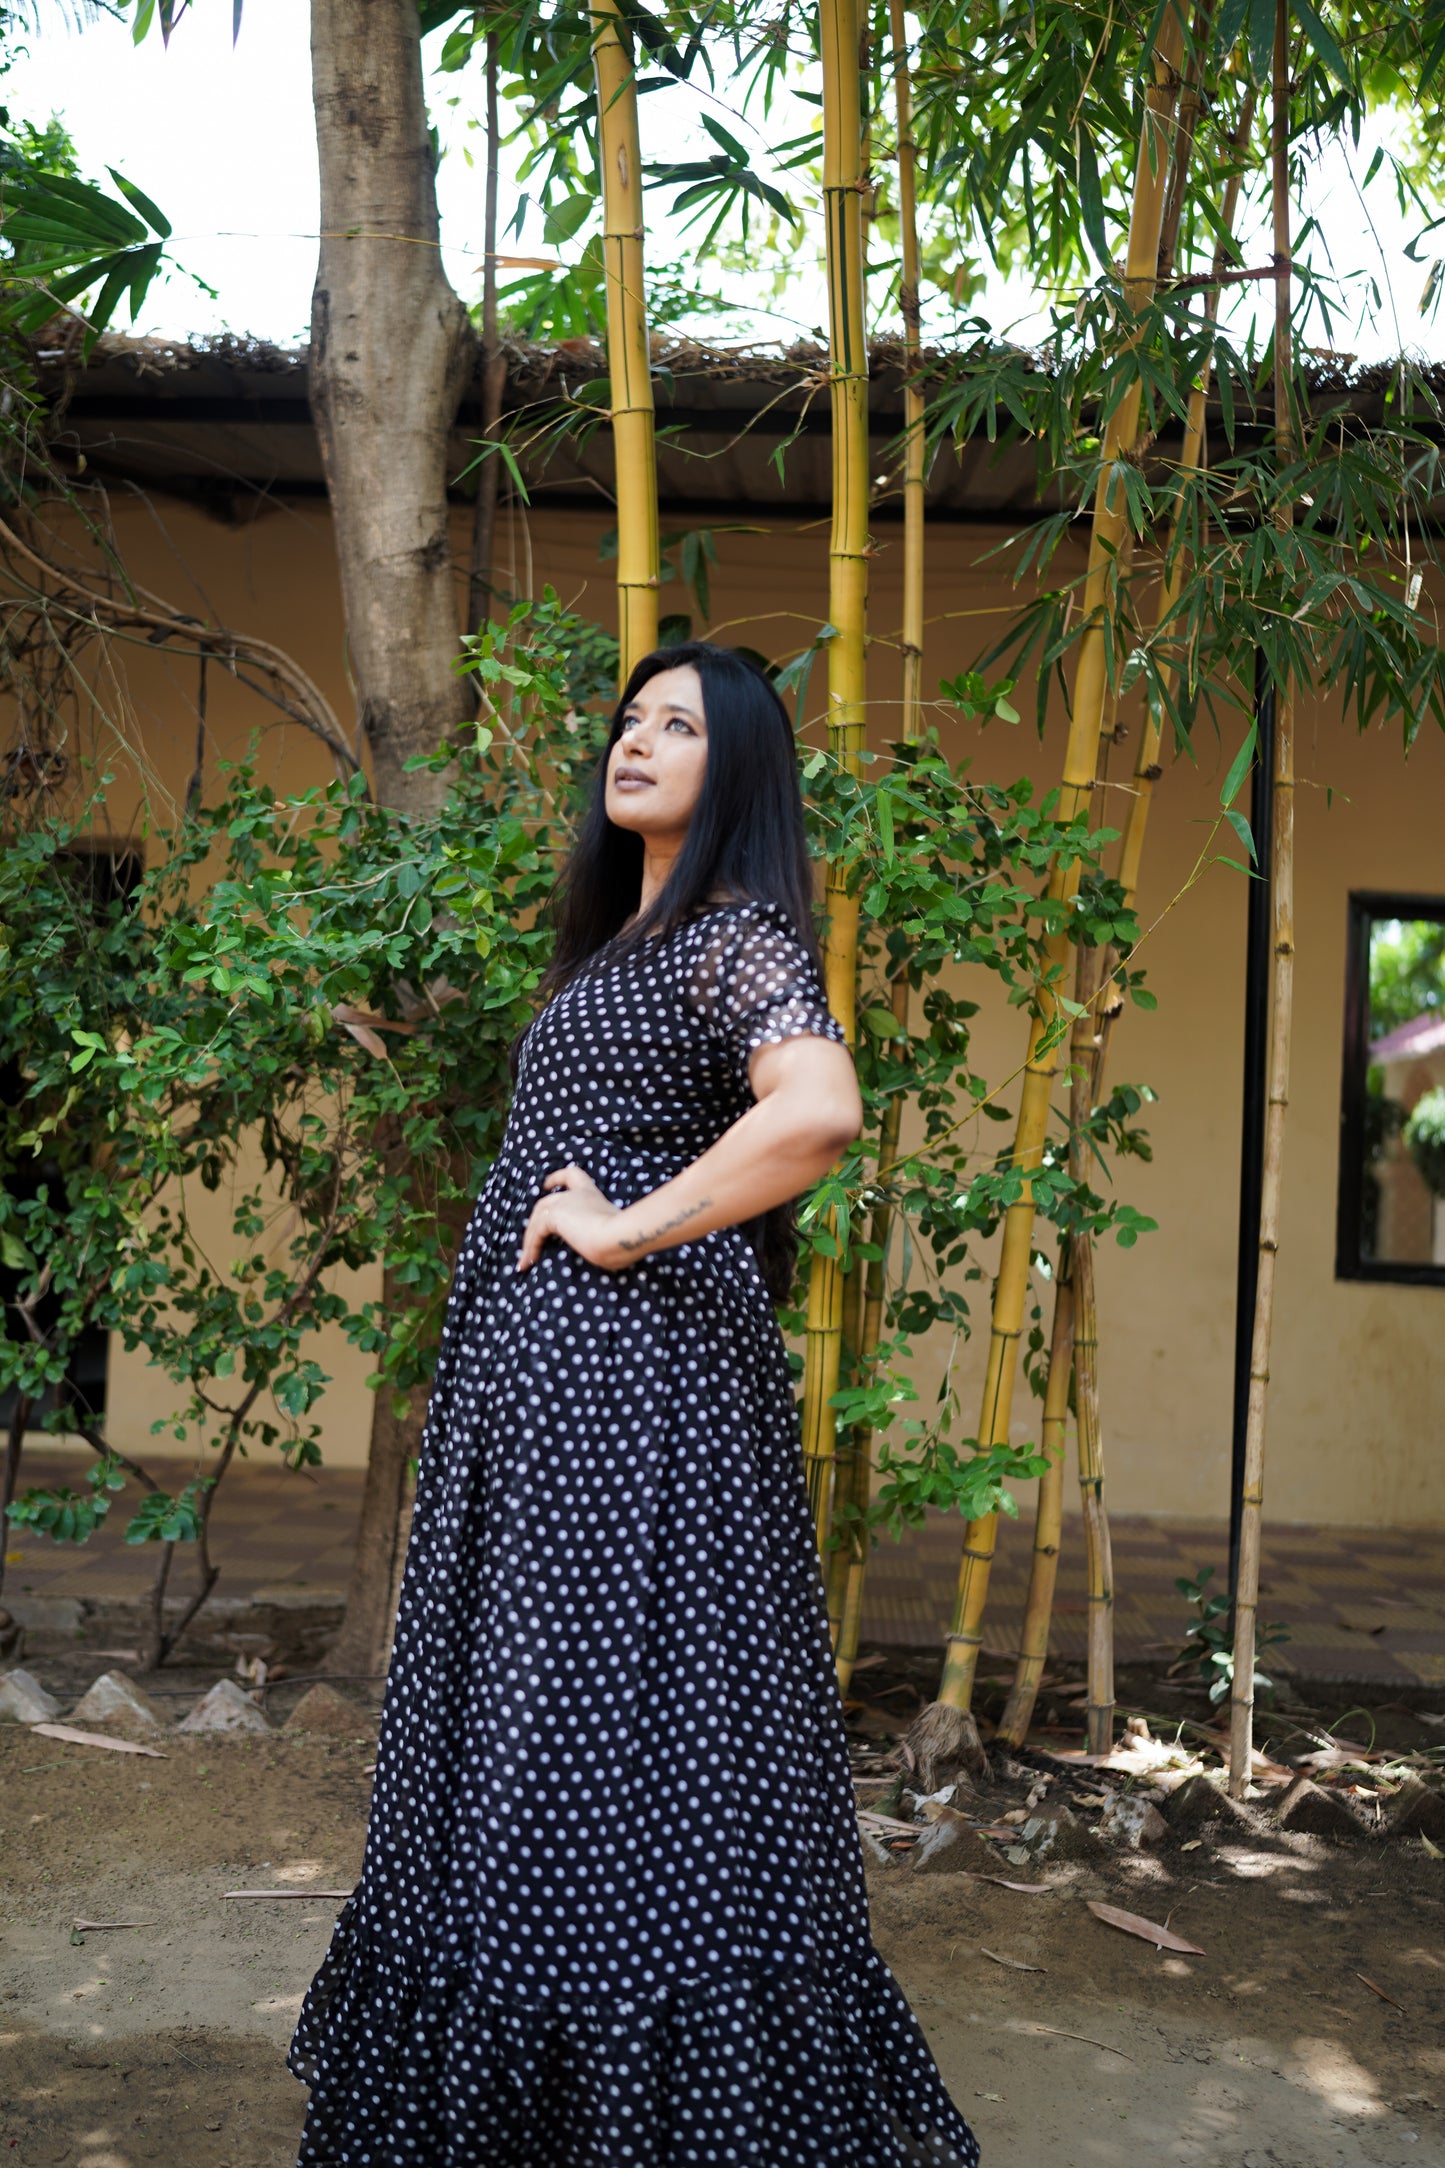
(1261, 39)
(1239, 767)
(885, 825)
(1323, 39)
(16, 1256)
(1091, 196)
(564, 218)
(882, 1023)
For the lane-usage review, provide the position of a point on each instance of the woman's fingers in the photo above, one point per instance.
(568, 1178)
(539, 1226)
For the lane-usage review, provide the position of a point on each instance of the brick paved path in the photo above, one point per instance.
(1366, 1610)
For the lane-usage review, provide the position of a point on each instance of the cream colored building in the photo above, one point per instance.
(1357, 1410)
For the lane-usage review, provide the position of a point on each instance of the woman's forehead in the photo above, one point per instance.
(681, 687)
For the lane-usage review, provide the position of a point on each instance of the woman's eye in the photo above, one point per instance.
(680, 722)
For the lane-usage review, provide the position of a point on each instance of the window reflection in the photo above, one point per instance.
(1393, 1168)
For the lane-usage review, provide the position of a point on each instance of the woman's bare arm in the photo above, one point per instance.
(808, 1111)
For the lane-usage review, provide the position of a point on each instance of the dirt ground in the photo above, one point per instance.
(163, 2043)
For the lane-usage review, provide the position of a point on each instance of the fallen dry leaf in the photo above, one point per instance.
(1433, 1849)
(1025, 1889)
(1131, 1923)
(1014, 1964)
(95, 1738)
(1380, 1992)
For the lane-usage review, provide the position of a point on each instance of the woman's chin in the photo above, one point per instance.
(638, 820)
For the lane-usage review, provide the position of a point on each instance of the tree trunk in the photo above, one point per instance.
(391, 349)
(494, 369)
(363, 1647)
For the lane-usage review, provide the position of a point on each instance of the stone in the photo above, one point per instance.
(23, 1700)
(876, 1853)
(950, 1846)
(225, 1708)
(115, 1699)
(1056, 1833)
(1416, 1811)
(1308, 1810)
(296, 1596)
(1131, 1820)
(48, 1614)
(945, 1747)
(1199, 1805)
(9, 1634)
(322, 1709)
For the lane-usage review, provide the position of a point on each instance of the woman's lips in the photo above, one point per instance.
(627, 780)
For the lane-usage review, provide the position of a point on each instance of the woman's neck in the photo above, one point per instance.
(658, 860)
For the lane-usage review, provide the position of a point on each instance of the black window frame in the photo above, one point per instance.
(1365, 906)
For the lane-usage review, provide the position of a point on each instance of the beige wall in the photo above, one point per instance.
(1358, 1369)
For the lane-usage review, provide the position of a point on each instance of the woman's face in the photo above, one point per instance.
(656, 766)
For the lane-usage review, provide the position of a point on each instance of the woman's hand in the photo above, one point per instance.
(576, 1212)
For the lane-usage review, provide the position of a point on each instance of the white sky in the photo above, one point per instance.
(222, 139)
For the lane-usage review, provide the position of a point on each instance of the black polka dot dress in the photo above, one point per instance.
(611, 1912)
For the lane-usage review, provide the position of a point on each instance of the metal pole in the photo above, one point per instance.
(1255, 1094)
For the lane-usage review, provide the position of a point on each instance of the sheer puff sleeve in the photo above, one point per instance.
(754, 984)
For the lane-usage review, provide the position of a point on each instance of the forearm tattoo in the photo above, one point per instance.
(641, 1242)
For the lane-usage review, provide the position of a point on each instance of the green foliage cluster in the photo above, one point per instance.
(1424, 1137)
(1407, 972)
(1209, 1639)
(309, 1004)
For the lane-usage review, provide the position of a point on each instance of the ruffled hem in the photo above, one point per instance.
(747, 2071)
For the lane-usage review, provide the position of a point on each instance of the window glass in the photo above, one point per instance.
(1392, 1174)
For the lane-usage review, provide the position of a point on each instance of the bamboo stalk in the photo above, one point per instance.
(846, 1603)
(1246, 1601)
(855, 1488)
(848, 552)
(629, 359)
(914, 478)
(1048, 1521)
(851, 1480)
(1091, 691)
(1099, 1714)
(1018, 1713)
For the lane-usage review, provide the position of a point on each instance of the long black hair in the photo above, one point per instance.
(746, 842)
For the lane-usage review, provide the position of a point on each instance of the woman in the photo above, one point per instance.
(611, 1910)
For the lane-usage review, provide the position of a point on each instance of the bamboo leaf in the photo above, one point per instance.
(565, 218)
(1243, 830)
(1322, 39)
(1261, 39)
(1239, 767)
(1091, 195)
